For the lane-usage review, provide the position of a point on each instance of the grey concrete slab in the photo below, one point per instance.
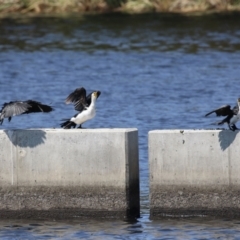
(194, 172)
(86, 171)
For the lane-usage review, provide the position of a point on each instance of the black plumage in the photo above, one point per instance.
(67, 124)
(232, 115)
(15, 108)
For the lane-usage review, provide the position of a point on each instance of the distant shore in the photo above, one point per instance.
(37, 7)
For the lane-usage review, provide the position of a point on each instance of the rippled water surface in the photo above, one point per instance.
(143, 229)
(154, 72)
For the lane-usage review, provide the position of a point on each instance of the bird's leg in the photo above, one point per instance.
(232, 127)
(80, 126)
(9, 119)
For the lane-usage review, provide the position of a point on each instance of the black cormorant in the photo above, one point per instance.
(232, 115)
(15, 108)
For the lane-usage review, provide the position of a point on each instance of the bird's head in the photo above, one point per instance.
(96, 94)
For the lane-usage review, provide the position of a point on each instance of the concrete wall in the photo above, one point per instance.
(194, 172)
(69, 173)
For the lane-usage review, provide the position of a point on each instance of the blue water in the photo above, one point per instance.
(154, 72)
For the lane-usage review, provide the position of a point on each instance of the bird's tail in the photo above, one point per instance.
(68, 124)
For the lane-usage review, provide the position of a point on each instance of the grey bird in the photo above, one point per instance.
(15, 108)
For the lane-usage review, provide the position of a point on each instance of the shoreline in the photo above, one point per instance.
(47, 8)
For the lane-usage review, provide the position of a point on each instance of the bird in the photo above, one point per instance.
(232, 115)
(15, 108)
(84, 104)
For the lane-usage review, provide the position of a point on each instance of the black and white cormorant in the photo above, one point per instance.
(232, 115)
(15, 108)
(85, 105)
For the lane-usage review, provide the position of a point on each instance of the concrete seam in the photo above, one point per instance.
(229, 166)
(12, 159)
(150, 163)
(11, 133)
(127, 167)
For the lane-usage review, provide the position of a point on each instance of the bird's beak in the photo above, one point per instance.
(98, 93)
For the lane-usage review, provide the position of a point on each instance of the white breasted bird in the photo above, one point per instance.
(232, 115)
(85, 105)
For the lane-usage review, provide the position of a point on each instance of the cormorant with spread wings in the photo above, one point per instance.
(84, 104)
(232, 115)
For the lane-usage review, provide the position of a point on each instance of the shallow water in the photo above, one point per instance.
(154, 72)
(141, 229)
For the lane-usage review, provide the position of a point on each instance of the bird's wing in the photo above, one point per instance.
(89, 98)
(78, 94)
(78, 98)
(80, 106)
(14, 108)
(224, 110)
(37, 107)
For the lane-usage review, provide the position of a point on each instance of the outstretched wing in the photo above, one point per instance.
(14, 108)
(78, 94)
(79, 99)
(224, 110)
(80, 106)
(37, 107)
(21, 107)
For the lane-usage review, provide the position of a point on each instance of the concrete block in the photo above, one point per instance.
(194, 172)
(69, 173)
(7, 151)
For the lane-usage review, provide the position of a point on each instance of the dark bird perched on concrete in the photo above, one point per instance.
(232, 115)
(15, 108)
(85, 105)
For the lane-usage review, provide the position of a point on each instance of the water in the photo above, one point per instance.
(167, 229)
(154, 72)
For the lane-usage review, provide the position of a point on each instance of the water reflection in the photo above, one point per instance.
(119, 32)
